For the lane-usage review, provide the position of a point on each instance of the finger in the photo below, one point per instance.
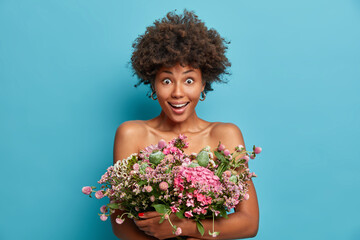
(141, 223)
(146, 215)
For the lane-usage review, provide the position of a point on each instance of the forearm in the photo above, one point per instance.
(238, 225)
(127, 230)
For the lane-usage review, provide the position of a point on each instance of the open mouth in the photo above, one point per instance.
(178, 106)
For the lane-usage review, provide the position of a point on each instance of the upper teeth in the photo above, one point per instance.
(179, 105)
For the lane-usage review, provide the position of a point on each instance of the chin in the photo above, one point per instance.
(178, 119)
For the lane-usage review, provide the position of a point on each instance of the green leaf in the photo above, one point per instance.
(160, 208)
(113, 205)
(162, 219)
(220, 156)
(223, 213)
(143, 182)
(200, 228)
(180, 214)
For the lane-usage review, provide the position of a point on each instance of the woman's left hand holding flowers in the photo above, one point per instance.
(149, 223)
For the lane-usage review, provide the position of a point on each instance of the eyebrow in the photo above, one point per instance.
(191, 70)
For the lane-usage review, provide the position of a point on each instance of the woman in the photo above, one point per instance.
(180, 58)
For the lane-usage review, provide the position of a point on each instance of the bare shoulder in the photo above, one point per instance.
(132, 129)
(128, 138)
(228, 133)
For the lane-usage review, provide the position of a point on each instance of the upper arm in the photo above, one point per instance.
(126, 140)
(230, 135)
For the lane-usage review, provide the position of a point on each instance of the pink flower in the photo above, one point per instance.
(226, 152)
(188, 214)
(173, 149)
(246, 196)
(87, 190)
(178, 231)
(103, 217)
(174, 209)
(166, 216)
(240, 148)
(103, 209)
(252, 156)
(257, 150)
(228, 173)
(163, 186)
(148, 188)
(221, 147)
(161, 144)
(119, 220)
(99, 194)
(136, 167)
(246, 158)
(166, 151)
(152, 198)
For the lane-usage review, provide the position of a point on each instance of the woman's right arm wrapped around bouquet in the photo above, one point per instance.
(126, 143)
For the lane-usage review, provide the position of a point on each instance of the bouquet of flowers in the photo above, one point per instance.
(163, 178)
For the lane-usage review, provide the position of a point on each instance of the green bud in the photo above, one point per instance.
(193, 164)
(233, 179)
(143, 166)
(156, 157)
(203, 158)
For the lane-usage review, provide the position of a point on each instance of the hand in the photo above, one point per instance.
(149, 223)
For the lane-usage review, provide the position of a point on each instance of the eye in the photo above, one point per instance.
(189, 81)
(166, 81)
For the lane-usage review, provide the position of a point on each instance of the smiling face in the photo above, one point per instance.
(178, 90)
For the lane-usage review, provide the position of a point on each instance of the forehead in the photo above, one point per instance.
(178, 69)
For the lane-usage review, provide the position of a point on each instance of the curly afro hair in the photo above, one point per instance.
(180, 39)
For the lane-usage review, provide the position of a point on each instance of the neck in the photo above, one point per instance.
(192, 124)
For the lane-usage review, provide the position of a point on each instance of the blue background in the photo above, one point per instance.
(65, 87)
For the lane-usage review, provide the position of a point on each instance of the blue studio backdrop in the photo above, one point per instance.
(65, 87)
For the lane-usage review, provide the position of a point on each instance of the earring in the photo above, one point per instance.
(152, 95)
(203, 95)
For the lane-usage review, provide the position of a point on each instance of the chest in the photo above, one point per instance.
(196, 141)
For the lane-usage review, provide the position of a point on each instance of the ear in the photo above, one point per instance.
(203, 86)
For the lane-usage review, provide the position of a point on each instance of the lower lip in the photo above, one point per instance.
(179, 110)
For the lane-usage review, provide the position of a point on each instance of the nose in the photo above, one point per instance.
(177, 91)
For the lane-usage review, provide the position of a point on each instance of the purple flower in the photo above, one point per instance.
(226, 152)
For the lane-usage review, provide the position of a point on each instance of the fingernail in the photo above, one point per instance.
(141, 214)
